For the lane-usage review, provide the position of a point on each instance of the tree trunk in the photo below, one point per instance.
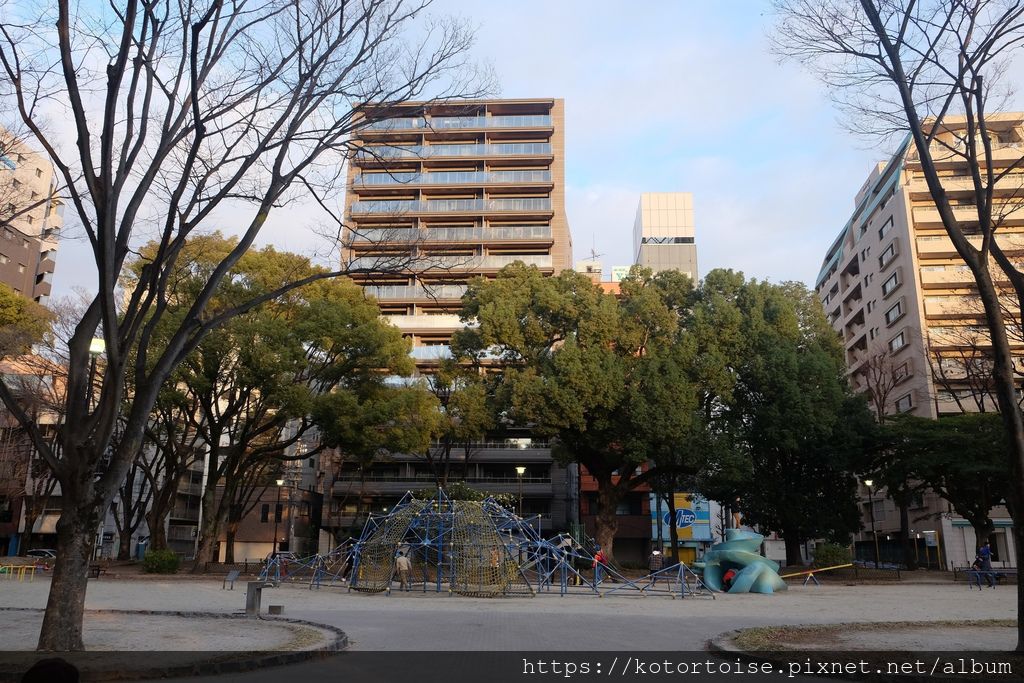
(606, 522)
(209, 530)
(124, 545)
(157, 531)
(982, 531)
(229, 541)
(65, 607)
(909, 560)
(794, 558)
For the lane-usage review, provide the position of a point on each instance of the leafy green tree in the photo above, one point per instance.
(794, 419)
(615, 381)
(255, 381)
(370, 422)
(960, 457)
(465, 415)
(23, 322)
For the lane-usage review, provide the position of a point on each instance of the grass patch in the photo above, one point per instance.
(780, 637)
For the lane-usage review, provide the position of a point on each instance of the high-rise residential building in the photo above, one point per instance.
(663, 232)
(31, 216)
(439, 193)
(905, 304)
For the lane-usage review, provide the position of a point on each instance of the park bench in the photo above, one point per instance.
(230, 578)
(95, 570)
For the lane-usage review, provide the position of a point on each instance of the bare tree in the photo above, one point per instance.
(933, 68)
(881, 377)
(181, 110)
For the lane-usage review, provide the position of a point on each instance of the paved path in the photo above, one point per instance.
(417, 621)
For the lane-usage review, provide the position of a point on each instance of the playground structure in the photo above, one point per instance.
(739, 552)
(473, 548)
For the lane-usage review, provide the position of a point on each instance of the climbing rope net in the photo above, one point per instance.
(471, 548)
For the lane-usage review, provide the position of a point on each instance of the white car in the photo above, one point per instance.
(45, 554)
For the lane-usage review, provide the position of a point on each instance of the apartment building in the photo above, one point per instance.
(894, 287)
(663, 232)
(31, 216)
(439, 193)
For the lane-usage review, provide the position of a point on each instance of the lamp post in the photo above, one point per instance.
(277, 514)
(520, 471)
(871, 510)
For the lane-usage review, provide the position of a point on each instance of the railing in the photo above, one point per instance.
(477, 234)
(449, 122)
(514, 445)
(416, 291)
(437, 352)
(189, 514)
(443, 321)
(453, 178)
(474, 150)
(444, 205)
(179, 533)
(468, 262)
(429, 478)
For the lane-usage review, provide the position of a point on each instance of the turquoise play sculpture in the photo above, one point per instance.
(739, 552)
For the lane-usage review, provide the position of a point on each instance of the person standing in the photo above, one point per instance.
(404, 566)
(656, 562)
(985, 555)
(600, 565)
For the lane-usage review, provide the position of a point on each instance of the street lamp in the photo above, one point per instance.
(277, 514)
(520, 471)
(871, 510)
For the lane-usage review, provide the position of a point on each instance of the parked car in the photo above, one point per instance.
(284, 556)
(43, 553)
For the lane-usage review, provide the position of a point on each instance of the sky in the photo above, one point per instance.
(659, 97)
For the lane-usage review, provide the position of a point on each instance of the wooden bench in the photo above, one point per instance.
(95, 570)
(231, 578)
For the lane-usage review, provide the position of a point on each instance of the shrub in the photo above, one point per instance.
(160, 562)
(830, 555)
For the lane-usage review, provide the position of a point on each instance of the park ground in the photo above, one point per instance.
(432, 621)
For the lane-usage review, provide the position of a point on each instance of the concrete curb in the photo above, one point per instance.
(722, 644)
(257, 660)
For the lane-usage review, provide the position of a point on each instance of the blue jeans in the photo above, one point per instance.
(974, 576)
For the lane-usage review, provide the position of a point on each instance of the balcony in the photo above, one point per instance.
(402, 207)
(524, 149)
(452, 178)
(468, 262)
(461, 122)
(505, 233)
(186, 514)
(349, 484)
(435, 352)
(946, 276)
(928, 217)
(425, 322)
(415, 292)
(940, 246)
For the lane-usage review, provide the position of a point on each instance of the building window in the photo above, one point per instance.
(278, 510)
(905, 403)
(265, 512)
(901, 372)
(39, 173)
(894, 313)
(21, 267)
(4, 259)
(886, 227)
(871, 305)
(890, 285)
(888, 255)
(898, 342)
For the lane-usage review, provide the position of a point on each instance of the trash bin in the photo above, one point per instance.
(140, 549)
